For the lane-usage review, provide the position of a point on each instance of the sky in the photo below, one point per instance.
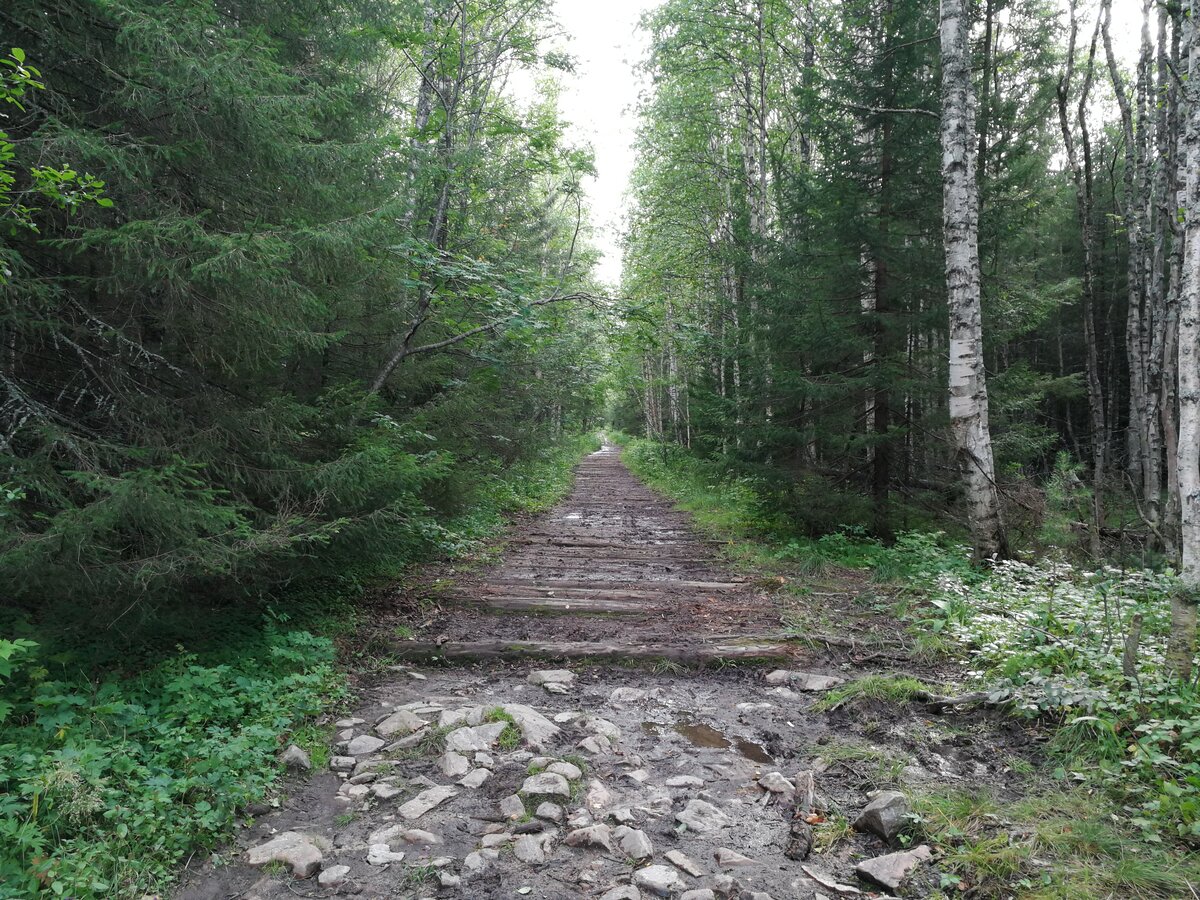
(600, 99)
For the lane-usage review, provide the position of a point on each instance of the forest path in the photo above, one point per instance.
(613, 572)
(506, 776)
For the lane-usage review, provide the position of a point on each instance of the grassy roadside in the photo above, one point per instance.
(1110, 809)
(111, 775)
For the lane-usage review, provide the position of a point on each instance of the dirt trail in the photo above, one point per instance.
(505, 777)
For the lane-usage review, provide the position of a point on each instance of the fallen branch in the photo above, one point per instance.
(800, 842)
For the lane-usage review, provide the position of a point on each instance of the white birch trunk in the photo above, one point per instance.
(960, 219)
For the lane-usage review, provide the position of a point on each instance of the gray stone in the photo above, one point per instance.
(485, 760)
(567, 770)
(419, 837)
(551, 812)
(546, 784)
(364, 744)
(626, 695)
(622, 892)
(581, 818)
(342, 763)
(603, 728)
(685, 781)
(595, 745)
(633, 842)
(364, 777)
(728, 859)
(804, 681)
(382, 855)
(511, 807)
(681, 861)
(563, 718)
(885, 815)
(449, 718)
(400, 723)
(538, 731)
(348, 723)
(490, 841)
(425, 801)
(409, 740)
(725, 885)
(702, 816)
(662, 881)
(776, 784)
(473, 738)
(454, 765)
(476, 778)
(891, 870)
(592, 836)
(447, 880)
(532, 848)
(551, 676)
(299, 851)
(295, 758)
(699, 894)
(479, 860)
(386, 791)
(598, 797)
(556, 687)
(333, 876)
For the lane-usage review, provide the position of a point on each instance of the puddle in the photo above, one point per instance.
(701, 735)
(651, 728)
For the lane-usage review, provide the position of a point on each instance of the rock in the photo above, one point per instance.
(333, 876)
(885, 815)
(595, 745)
(659, 880)
(419, 837)
(681, 861)
(776, 784)
(603, 728)
(491, 841)
(355, 791)
(425, 801)
(386, 791)
(551, 812)
(726, 885)
(364, 778)
(891, 870)
(382, 855)
(804, 681)
(633, 842)
(290, 848)
(348, 723)
(567, 770)
(728, 859)
(581, 818)
(563, 718)
(622, 816)
(538, 731)
(295, 758)
(483, 759)
(410, 740)
(479, 860)
(622, 892)
(473, 738)
(400, 723)
(638, 776)
(699, 894)
(476, 778)
(546, 784)
(597, 797)
(449, 718)
(551, 676)
(364, 744)
(342, 763)
(511, 807)
(454, 765)
(592, 836)
(685, 781)
(446, 880)
(532, 848)
(554, 687)
(626, 695)
(754, 707)
(702, 816)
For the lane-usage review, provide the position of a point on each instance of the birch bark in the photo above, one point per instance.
(960, 219)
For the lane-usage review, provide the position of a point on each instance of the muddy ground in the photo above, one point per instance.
(661, 732)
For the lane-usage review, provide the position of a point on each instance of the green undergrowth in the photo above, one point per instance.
(125, 749)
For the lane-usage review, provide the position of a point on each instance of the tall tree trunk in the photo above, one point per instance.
(1183, 607)
(960, 219)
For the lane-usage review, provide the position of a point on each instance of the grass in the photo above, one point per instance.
(897, 689)
(510, 737)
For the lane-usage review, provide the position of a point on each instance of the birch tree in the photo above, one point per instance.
(960, 219)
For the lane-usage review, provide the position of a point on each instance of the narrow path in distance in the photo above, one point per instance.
(608, 769)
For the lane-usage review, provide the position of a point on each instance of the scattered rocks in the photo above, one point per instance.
(400, 723)
(292, 848)
(891, 870)
(685, 781)
(633, 842)
(334, 876)
(728, 859)
(382, 855)
(476, 778)
(511, 807)
(425, 801)
(473, 738)
(364, 744)
(681, 861)
(592, 836)
(886, 815)
(295, 758)
(702, 816)
(342, 763)
(546, 784)
(532, 848)
(659, 880)
(804, 681)
(454, 764)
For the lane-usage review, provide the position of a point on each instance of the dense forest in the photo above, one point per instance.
(298, 296)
